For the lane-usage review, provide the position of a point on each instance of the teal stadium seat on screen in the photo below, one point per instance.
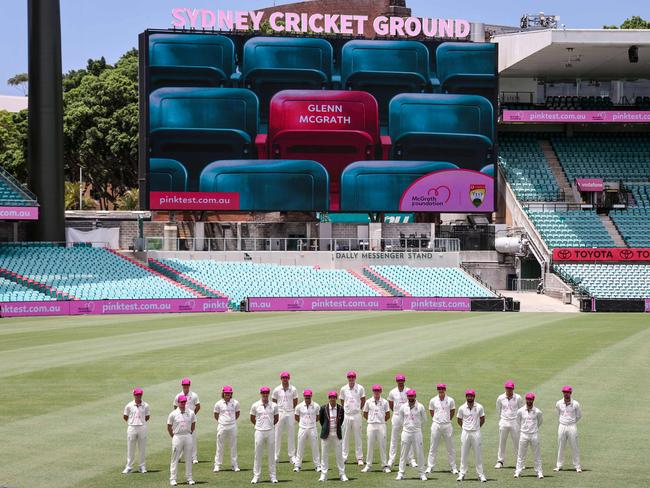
(385, 69)
(279, 185)
(272, 64)
(379, 185)
(190, 60)
(467, 67)
(199, 125)
(435, 127)
(167, 175)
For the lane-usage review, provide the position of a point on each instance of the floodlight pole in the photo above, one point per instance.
(45, 144)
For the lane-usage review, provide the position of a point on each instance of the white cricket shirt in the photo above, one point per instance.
(192, 400)
(412, 418)
(227, 411)
(398, 398)
(181, 422)
(376, 410)
(264, 415)
(284, 398)
(137, 413)
(352, 398)
(568, 414)
(442, 409)
(529, 420)
(307, 414)
(471, 417)
(507, 407)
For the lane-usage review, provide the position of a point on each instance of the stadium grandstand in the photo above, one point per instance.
(310, 199)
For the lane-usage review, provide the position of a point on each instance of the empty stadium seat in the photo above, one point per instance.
(631, 281)
(199, 125)
(333, 127)
(190, 60)
(273, 185)
(273, 64)
(633, 222)
(433, 282)
(386, 69)
(13, 194)
(14, 292)
(433, 127)
(379, 185)
(571, 228)
(167, 175)
(467, 67)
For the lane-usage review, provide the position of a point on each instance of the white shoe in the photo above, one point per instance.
(323, 477)
(191, 482)
(126, 470)
(344, 478)
(386, 469)
(254, 480)
(454, 471)
(399, 477)
(236, 469)
(195, 461)
(366, 468)
(540, 476)
(317, 469)
(173, 482)
(424, 477)
(360, 462)
(557, 468)
(216, 469)
(483, 479)
(517, 473)
(460, 477)
(413, 463)
(143, 470)
(578, 470)
(498, 465)
(274, 480)
(296, 469)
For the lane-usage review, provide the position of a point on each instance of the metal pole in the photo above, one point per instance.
(81, 185)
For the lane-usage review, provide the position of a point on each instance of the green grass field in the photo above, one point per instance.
(66, 381)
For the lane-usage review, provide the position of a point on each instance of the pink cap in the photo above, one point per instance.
(509, 384)
(186, 381)
(441, 386)
(530, 396)
(400, 377)
(470, 392)
(351, 374)
(227, 389)
(265, 389)
(307, 392)
(181, 399)
(332, 394)
(567, 389)
(376, 388)
(285, 374)
(411, 392)
(138, 391)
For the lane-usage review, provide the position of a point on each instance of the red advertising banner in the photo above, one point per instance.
(590, 184)
(605, 254)
(576, 116)
(187, 200)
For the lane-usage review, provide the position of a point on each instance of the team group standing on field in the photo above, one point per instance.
(277, 412)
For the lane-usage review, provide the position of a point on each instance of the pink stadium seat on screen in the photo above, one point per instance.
(333, 127)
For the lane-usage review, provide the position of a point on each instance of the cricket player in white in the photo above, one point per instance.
(264, 416)
(530, 420)
(180, 425)
(412, 416)
(508, 404)
(192, 404)
(306, 414)
(286, 396)
(353, 398)
(226, 413)
(397, 398)
(136, 415)
(471, 417)
(377, 412)
(442, 409)
(569, 413)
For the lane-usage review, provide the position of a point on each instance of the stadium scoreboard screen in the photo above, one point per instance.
(244, 122)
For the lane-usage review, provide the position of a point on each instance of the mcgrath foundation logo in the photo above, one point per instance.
(440, 194)
(477, 194)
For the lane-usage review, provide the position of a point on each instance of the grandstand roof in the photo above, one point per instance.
(568, 54)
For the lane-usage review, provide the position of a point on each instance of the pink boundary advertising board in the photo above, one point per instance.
(19, 213)
(647, 305)
(107, 307)
(576, 116)
(258, 304)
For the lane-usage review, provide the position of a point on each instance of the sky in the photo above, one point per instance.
(94, 28)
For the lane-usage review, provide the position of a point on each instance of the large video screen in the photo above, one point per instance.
(236, 122)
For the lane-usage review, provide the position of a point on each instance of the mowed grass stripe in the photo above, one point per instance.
(101, 418)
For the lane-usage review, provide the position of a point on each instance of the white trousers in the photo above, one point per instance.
(395, 434)
(195, 443)
(308, 436)
(446, 432)
(181, 445)
(507, 429)
(286, 421)
(531, 440)
(376, 434)
(411, 441)
(136, 439)
(352, 427)
(332, 442)
(226, 434)
(568, 433)
(470, 439)
(264, 438)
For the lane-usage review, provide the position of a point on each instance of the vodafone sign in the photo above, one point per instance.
(605, 254)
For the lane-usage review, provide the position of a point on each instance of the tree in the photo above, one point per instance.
(71, 197)
(19, 81)
(129, 200)
(13, 143)
(634, 22)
